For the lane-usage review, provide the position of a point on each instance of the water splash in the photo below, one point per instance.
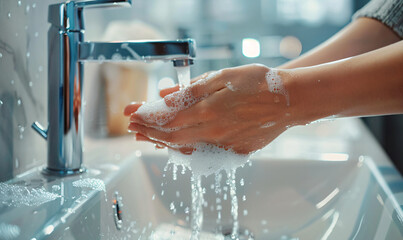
(16, 196)
(197, 204)
(93, 183)
(234, 202)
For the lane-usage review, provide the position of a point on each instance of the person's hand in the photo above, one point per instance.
(235, 108)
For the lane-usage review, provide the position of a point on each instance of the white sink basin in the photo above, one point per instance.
(298, 188)
(285, 199)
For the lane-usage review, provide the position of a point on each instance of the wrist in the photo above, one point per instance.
(309, 94)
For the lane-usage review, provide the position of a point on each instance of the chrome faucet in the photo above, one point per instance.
(66, 53)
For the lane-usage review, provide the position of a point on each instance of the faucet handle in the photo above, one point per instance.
(39, 129)
(69, 15)
(104, 3)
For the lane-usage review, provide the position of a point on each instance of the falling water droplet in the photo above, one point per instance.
(17, 163)
(12, 82)
(21, 130)
(242, 182)
(36, 34)
(27, 8)
(1, 55)
(19, 100)
(19, 3)
(40, 68)
(28, 54)
(34, 5)
(30, 83)
(9, 15)
(1, 103)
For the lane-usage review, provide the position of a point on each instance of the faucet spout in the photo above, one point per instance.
(177, 51)
(67, 53)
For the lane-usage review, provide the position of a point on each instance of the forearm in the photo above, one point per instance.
(368, 84)
(361, 36)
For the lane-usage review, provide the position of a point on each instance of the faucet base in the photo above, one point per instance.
(63, 173)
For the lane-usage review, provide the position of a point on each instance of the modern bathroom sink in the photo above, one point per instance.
(126, 194)
(333, 198)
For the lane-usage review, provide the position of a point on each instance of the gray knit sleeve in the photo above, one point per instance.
(389, 12)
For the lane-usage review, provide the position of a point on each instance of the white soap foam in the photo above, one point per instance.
(208, 159)
(16, 196)
(230, 86)
(275, 84)
(158, 112)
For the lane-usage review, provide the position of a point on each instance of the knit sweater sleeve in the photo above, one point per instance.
(389, 12)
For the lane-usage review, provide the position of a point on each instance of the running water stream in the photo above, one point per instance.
(205, 160)
(215, 154)
(196, 188)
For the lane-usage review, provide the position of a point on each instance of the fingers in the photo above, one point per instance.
(184, 136)
(208, 84)
(168, 91)
(131, 108)
(141, 137)
(161, 145)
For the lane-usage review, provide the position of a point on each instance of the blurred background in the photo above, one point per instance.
(236, 32)
(228, 33)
